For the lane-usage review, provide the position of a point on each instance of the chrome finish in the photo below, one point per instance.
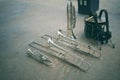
(67, 57)
(40, 57)
(71, 19)
(87, 49)
(52, 43)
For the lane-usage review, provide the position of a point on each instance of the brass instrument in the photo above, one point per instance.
(71, 19)
(54, 49)
(86, 49)
(40, 57)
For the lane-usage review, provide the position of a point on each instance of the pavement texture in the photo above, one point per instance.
(24, 21)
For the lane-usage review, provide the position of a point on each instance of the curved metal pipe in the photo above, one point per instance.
(71, 19)
(51, 42)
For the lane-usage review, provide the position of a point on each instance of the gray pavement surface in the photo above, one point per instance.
(24, 21)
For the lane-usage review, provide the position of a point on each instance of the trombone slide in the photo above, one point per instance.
(40, 57)
(76, 45)
(66, 57)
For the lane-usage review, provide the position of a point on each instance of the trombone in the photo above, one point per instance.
(39, 57)
(54, 49)
(86, 49)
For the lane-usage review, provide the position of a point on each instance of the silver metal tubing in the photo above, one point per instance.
(71, 19)
(40, 57)
(73, 60)
(52, 43)
(77, 45)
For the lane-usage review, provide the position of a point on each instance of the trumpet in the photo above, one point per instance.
(86, 49)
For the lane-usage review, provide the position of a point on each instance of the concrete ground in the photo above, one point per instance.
(23, 21)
